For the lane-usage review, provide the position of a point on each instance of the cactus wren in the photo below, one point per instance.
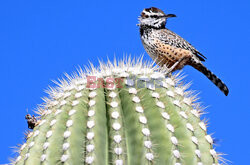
(168, 49)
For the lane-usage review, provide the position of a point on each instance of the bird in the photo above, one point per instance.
(170, 50)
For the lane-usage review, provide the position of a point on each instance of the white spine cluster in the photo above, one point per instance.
(60, 95)
(188, 101)
(115, 121)
(48, 135)
(143, 121)
(166, 116)
(90, 147)
(67, 134)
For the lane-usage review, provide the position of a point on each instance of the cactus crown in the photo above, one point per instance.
(139, 117)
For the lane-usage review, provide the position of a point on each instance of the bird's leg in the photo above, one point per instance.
(173, 66)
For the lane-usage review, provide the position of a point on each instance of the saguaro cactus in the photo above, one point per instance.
(121, 113)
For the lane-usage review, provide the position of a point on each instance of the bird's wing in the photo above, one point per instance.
(171, 38)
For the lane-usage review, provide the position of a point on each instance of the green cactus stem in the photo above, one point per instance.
(122, 113)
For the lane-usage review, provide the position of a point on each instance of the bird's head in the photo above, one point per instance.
(154, 17)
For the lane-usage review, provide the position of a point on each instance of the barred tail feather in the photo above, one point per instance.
(212, 77)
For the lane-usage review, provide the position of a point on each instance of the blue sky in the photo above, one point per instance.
(41, 40)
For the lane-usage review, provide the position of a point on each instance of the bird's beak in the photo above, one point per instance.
(170, 15)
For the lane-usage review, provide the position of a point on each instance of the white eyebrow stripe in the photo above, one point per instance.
(152, 13)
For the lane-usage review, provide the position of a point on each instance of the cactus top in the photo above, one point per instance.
(125, 112)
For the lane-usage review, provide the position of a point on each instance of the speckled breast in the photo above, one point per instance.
(162, 53)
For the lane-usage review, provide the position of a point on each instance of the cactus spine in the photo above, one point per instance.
(144, 119)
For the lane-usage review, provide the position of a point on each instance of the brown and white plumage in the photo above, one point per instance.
(168, 48)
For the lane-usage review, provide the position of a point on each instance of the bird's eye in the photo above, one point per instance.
(155, 16)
